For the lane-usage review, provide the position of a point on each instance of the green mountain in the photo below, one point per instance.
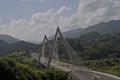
(99, 51)
(94, 45)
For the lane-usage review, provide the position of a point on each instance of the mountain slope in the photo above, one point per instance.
(111, 27)
(72, 33)
(10, 44)
(24, 45)
(2, 43)
(8, 39)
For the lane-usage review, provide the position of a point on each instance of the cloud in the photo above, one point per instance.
(89, 12)
(36, 27)
(62, 9)
(94, 11)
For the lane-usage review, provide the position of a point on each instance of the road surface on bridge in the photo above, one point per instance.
(79, 73)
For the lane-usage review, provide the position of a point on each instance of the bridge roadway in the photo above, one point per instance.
(79, 73)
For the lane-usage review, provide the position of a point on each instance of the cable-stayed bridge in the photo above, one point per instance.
(59, 54)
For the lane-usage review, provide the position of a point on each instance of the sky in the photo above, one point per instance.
(32, 19)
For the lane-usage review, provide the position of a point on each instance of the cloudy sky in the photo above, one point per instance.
(31, 19)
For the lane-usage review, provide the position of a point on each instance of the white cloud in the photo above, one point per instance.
(36, 27)
(89, 12)
(94, 11)
(61, 10)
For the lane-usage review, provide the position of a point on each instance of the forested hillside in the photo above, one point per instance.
(99, 51)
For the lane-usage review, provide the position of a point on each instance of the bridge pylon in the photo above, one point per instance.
(45, 40)
(59, 34)
(72, 55)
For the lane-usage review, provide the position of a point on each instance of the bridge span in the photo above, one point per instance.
(78, 72)
(52, 59)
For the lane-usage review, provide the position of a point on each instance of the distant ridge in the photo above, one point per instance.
(10, 44)
(21, 45)
(8, 39)
(110, 27)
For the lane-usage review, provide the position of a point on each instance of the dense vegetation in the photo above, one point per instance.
(99, 52)
(20, 66)
(95, 46)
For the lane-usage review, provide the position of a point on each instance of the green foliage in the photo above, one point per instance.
(14, 70)
(24, 58)
(20, 66)
(102, 63)
(52, 74)
(111, 65)
(116, 70)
